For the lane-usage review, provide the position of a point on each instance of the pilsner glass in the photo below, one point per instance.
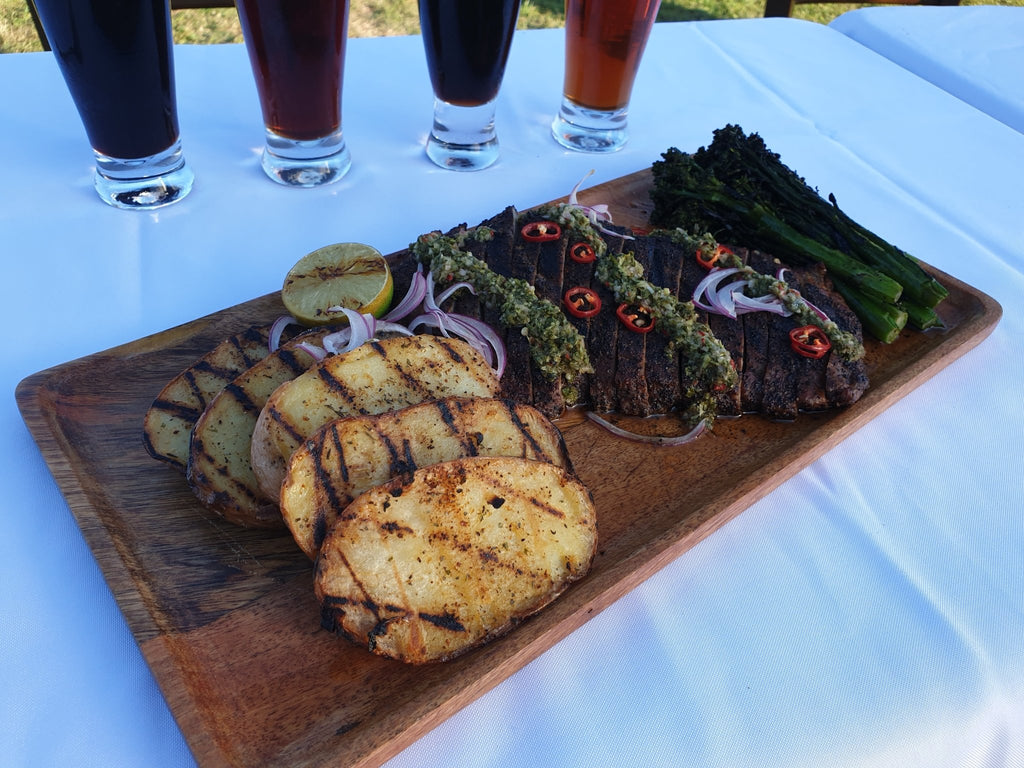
(116, 57)
(297, 52)
(467, 44)
(604, 41)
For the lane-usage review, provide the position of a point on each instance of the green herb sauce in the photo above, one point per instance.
(556, 346)
(844, 343)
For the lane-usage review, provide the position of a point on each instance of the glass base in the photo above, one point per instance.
(463, 138)
(313, 163)
(143, 183)
(590, 130)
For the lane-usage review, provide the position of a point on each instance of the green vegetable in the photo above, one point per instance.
(741, 192)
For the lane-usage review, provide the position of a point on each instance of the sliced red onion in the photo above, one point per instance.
(817, 310)
(476, 333)
(361, 328)
(312, 350)
(383, 326)
(333, 342)
(709, 286)
(725, 298)
(412, 299)
(487, 339)
(618, 431)
(277, 329)
(781, 275)
(595, 213)
(450, 290)
(746, 304)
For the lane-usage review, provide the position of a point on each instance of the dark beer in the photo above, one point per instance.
(297, 52)
(604, 42)
(115, 56)
(467, 44)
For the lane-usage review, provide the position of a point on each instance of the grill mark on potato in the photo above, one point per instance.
(324, 485)
(337, 387)
(444, 621)
(524, 431)
(281, 420)
(447, 416)
(453, 354)
(179, 410)
(221, 499)
(412, 382)
(243, 398)
(291, 359)
(469, 441)
(249, 345)
(399, 462)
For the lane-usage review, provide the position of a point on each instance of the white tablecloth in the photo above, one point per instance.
(868, 612)
(975, 52)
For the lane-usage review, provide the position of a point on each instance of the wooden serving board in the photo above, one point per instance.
(227, 619)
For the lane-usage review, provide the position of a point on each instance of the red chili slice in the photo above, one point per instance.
(541, 231)
(710, 260)
(636, 317)
(582, 253)
(809, 341)
(582, 302)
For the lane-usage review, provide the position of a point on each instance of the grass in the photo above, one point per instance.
(376, 18)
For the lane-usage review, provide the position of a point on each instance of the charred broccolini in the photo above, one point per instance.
(741, 192)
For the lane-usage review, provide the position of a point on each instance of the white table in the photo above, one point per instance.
(868, 612)
(974, 52)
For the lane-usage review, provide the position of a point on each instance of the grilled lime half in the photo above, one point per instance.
(350, 275)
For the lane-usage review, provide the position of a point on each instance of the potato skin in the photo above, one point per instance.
(348, 456)
(376, 377)
(432, 564)
(169, 420)
(219, 469)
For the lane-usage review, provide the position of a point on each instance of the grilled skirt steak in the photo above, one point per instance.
(633, 374)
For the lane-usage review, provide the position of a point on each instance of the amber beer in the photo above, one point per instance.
(467, 44)
(604, 42)
(297, 52)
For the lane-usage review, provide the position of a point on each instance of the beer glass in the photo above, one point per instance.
(467, 44)
(297, 52)
(604, 40)
(116, 57)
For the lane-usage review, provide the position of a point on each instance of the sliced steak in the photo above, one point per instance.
(631, 352)
(844, 381)
(690, 274)
(756, 332)
(601, 340)
(548, 279)
(579, 274)
(662, 369)
(517, 381)
(497, 253)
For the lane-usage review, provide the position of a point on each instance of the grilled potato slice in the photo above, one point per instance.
(179, 405)
(376, 377)
(430, 565)
(351, 455)
(219, 468)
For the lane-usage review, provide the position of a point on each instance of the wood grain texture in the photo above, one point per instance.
(227, 619)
